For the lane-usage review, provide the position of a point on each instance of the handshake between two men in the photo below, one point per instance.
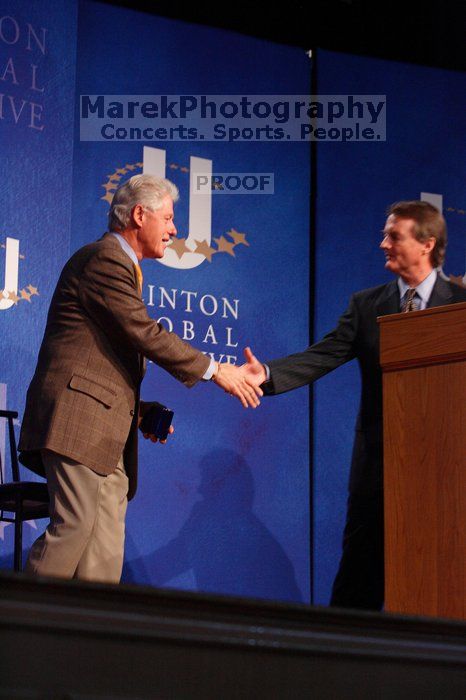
(244, 381)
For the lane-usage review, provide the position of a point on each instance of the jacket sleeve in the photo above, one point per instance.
(301, 368)
(108, 294)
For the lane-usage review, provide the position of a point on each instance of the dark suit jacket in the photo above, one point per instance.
(83, 400)
(357, 336)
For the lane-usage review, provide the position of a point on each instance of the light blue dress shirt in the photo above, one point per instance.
(423, 290)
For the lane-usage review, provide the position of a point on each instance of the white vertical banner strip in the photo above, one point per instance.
(437, 201)
(154, 161)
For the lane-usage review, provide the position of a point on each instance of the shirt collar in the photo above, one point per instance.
(126, 247)
(423, 290)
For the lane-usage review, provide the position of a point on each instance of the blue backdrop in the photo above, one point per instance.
(37, 71)
(222, 507)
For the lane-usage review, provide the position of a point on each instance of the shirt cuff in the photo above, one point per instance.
(209, 371)
(267, 372)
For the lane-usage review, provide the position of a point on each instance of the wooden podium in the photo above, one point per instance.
(423, 358)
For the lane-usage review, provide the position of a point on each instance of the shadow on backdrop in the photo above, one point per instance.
(228, 549)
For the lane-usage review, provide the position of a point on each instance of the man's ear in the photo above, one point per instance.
(136, 215)
(429, 245)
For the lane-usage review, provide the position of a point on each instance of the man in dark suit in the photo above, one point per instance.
(83, 410)
(414, 241)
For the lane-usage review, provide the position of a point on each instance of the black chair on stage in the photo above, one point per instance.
(24, 500)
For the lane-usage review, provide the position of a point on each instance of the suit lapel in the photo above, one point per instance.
(441, 294)
(112, 241)
(389, 302)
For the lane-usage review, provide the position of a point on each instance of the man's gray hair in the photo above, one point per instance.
(147, 190)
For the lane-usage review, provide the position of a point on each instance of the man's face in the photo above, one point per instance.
(156, 229)
(404, 254)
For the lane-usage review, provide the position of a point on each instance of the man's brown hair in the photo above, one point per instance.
(428, 223)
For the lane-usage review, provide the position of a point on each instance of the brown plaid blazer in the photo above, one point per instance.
(83, 400)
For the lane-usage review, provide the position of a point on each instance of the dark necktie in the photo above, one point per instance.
(410, 301)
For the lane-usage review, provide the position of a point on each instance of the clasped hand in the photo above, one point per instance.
(243, 382)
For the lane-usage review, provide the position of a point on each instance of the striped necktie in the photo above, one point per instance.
(410, 301)
(139, 276)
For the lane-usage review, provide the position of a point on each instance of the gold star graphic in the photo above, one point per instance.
(108, 197)
(130, 167)
(184, 169)
(461, 211)
(121, 171)
(110, 186)
(173, 166)
(139, 165)
(25, 295)
(2, 245)
(203, 248)
(14, 297)
(238, 237)
(21, 257)
(114, 176)
(224, 246)
(179, 246)
(32, 290)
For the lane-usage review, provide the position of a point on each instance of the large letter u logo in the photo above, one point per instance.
(200, 207)
(11, 273)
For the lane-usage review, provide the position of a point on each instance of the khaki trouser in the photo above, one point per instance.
(86, 533)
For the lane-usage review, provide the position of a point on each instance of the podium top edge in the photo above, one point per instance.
(448, 308)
